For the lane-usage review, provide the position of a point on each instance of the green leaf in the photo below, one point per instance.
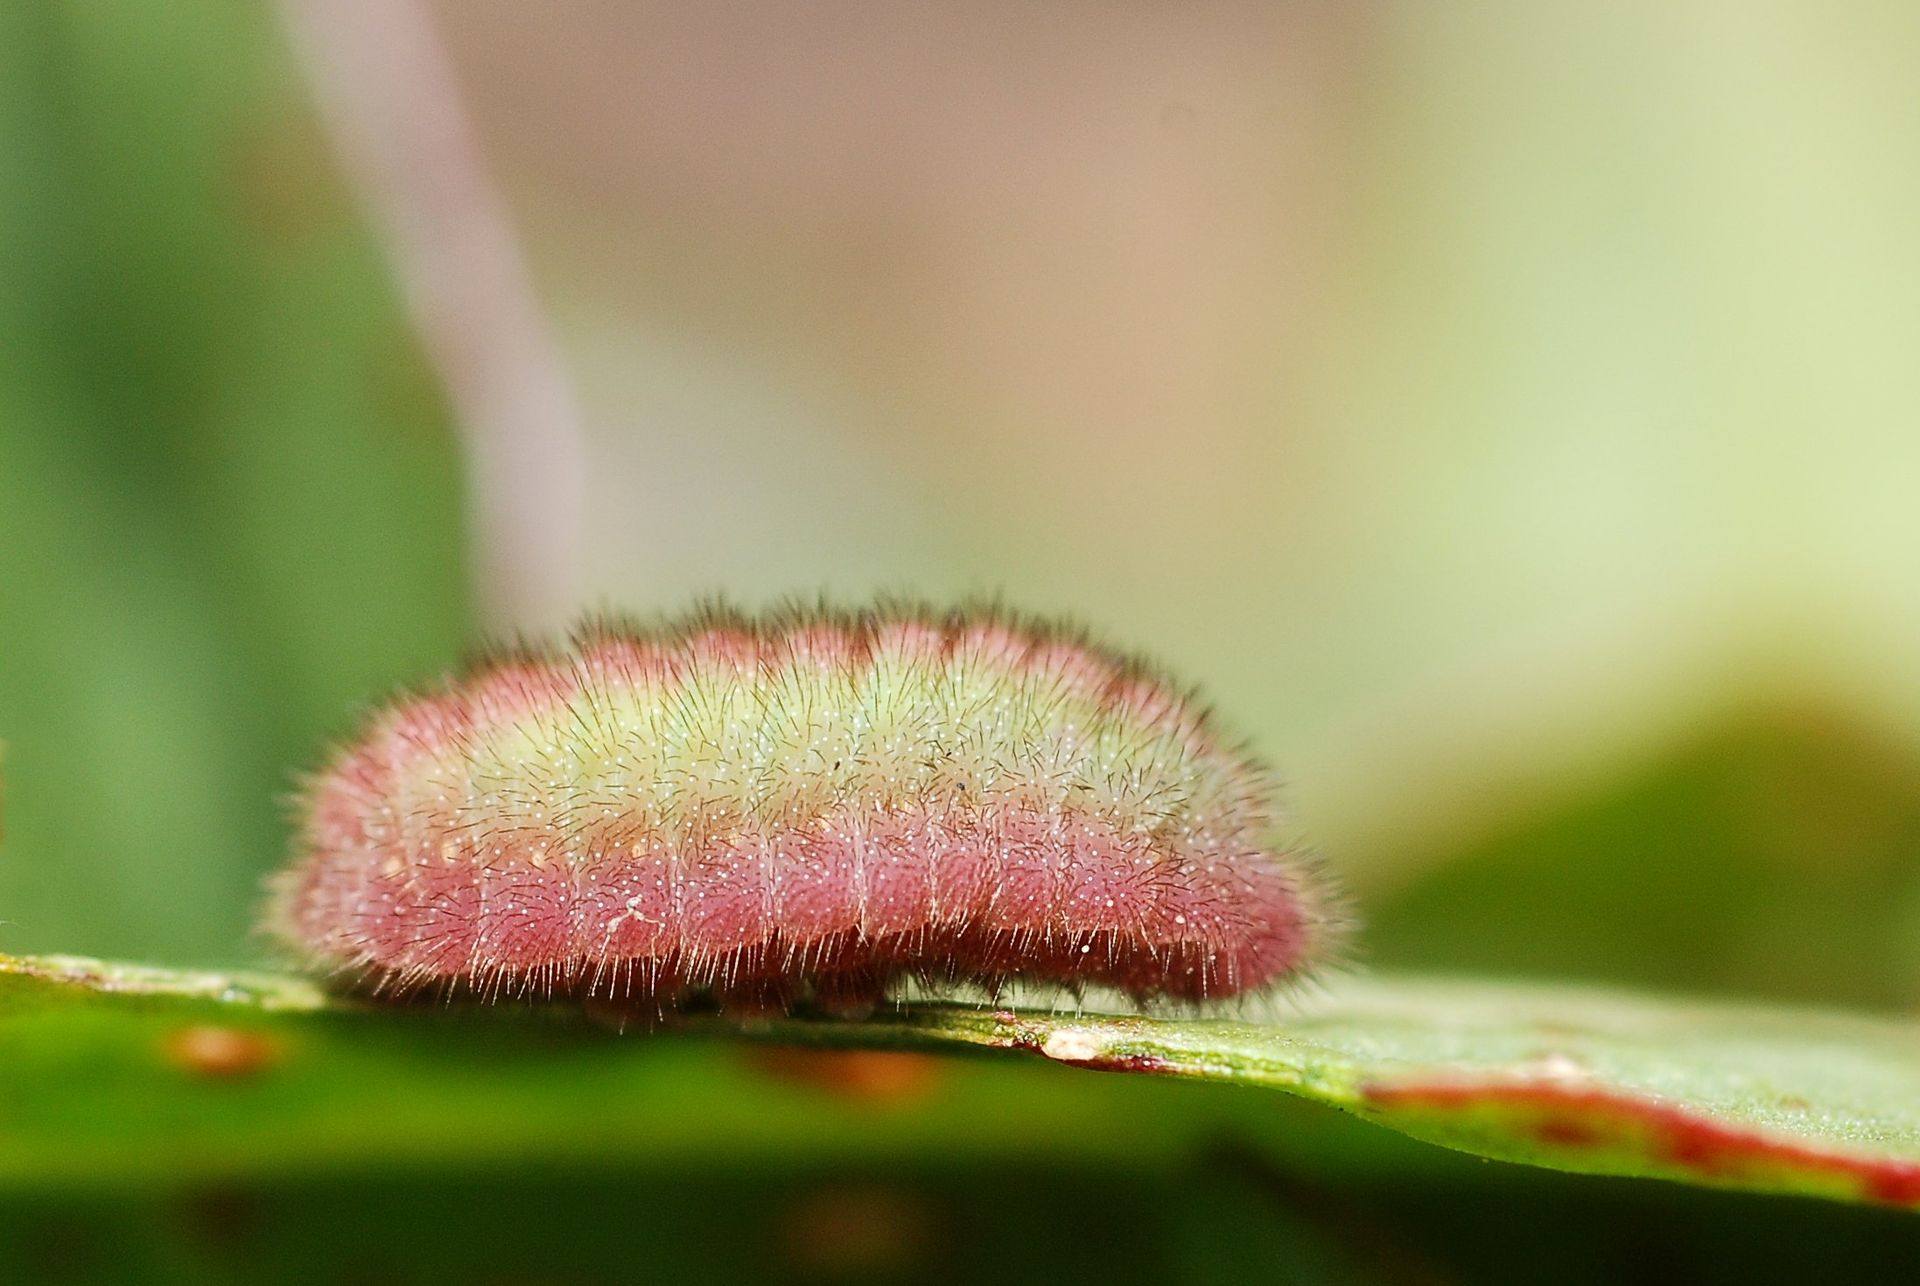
(1767, 851)
(230, 505)
(122, 1070)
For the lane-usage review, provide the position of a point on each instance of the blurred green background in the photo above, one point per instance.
(1508, 413)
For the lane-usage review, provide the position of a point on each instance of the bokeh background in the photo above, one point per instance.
(1508, 413)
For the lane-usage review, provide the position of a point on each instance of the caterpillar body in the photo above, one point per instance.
(808, 807)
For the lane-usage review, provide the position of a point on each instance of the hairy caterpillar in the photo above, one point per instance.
(812, 806)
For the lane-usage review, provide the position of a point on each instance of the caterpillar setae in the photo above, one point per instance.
(809, 807)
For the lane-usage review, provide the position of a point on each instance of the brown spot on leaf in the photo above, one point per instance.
(874, 1076)
(220, 1053)
(858, 1231)
(1566, 1134)
(1659, 1134)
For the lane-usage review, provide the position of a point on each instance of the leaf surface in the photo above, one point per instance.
(115, 1069)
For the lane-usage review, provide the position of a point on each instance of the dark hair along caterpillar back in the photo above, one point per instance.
(814, 807)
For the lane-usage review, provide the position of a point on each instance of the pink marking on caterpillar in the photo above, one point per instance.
(808, 807)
